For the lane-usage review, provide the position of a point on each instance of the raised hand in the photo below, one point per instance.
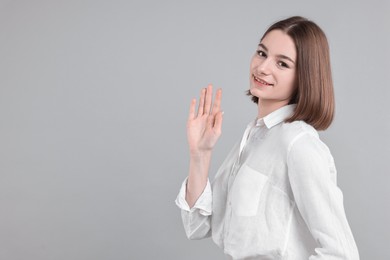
(204, 127)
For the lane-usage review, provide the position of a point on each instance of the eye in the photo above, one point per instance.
(282, 64)
(261, 53)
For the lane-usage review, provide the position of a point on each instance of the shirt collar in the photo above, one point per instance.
(276, 116)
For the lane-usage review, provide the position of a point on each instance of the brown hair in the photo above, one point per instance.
(314, 92)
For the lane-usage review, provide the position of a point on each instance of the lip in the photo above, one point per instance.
(261, 82)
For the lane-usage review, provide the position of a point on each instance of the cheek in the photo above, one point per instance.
(289, 79)
(288, 83)
(254, 63)
(251, 68)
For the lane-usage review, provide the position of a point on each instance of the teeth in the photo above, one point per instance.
(261, 81)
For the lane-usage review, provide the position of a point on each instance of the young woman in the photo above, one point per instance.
(276, 195)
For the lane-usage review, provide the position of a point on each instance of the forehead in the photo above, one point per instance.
(279, 43)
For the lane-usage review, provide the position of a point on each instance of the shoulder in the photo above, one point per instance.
(301, 137)
(291, 132)
(308, 155)
(303, 143)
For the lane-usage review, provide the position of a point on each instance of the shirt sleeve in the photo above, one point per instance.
(312, 177)
(197, 220)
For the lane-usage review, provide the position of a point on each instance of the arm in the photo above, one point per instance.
(203, 131)
(195, 197)
(313, 181)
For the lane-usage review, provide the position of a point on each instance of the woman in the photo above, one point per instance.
(275, 196)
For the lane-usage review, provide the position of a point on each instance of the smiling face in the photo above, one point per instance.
(273, 69)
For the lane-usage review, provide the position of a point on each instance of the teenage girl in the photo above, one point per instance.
(276, 195)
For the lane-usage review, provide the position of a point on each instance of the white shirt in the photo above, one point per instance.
(274, 197)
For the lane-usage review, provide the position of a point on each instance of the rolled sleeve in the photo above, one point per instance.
(203, 204)
(196, 220)
(312, 177)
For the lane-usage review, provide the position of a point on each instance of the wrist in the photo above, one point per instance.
(198, 154)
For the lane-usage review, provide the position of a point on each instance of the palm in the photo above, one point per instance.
(204, 127)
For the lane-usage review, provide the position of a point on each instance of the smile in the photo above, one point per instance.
(262, 82)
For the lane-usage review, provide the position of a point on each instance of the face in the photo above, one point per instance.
(272, 69)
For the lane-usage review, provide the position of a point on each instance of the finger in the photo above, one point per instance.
(218, 122)
(217, 102)
(191, 115)
(201, 102)
(209, 96)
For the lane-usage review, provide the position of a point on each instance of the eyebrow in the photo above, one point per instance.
(279, 56)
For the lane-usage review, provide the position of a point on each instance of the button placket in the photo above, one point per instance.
(232, 177)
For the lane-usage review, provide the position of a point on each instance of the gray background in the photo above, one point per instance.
(94, 98)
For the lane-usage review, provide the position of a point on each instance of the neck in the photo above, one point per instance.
(264, 108)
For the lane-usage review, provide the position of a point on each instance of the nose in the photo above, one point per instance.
(264, 67)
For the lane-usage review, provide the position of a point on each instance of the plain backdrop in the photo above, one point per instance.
(94, 97)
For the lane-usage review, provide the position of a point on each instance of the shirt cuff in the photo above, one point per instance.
(204, 202)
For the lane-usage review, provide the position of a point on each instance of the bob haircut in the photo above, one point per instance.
(313, 94)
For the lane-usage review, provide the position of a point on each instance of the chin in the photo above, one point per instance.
(253, 92)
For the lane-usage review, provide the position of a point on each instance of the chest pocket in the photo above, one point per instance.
(246, 191)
